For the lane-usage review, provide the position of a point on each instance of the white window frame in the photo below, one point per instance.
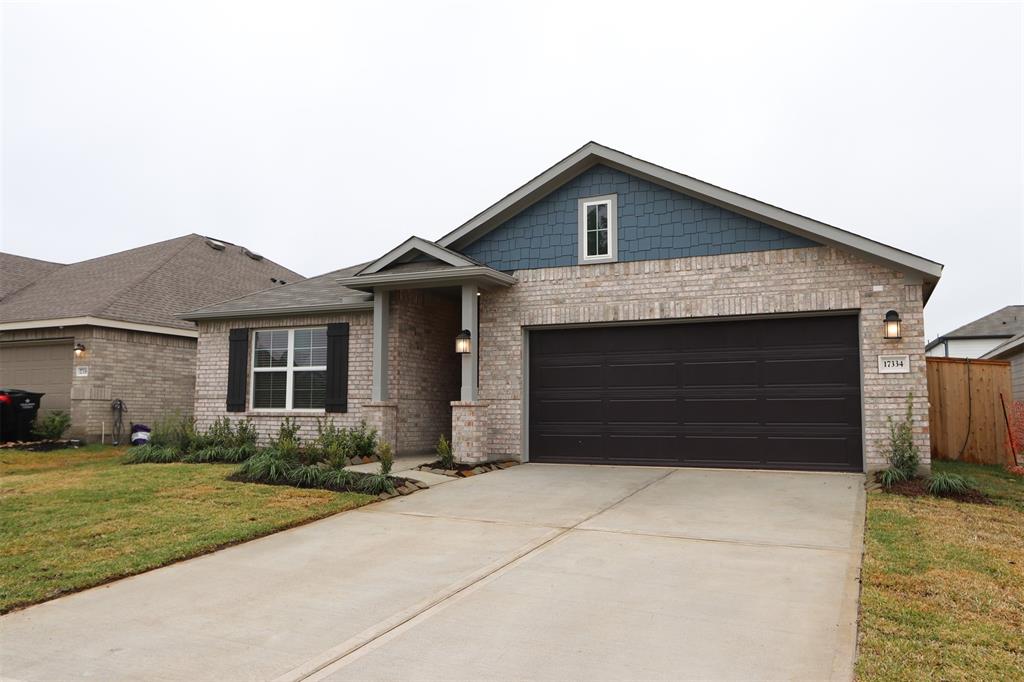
(612, 201)
(289, 369)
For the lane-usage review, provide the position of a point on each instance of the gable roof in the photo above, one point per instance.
(593, 153)
(316, 294)
(19, 272)
(410, 250)
(147, 285)
(1003, 323)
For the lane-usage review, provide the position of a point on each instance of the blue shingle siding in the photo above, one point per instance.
(654, 223)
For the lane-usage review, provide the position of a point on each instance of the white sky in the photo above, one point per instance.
(322, 134)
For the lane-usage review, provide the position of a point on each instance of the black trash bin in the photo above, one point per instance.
(18, 409)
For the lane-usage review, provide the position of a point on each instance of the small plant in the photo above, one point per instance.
(444, 453)
(901, 450)
(152, 454)
(332, 442)
(890, 477)
(362, 441)
(266, 466)
(246, 433)
(337, 479)
(287, 439)
(307, 476)
(944, 484)
(175, 431)
(374, 484)
(220, 432)
(386, 457)
(52, 426)
(220, 453)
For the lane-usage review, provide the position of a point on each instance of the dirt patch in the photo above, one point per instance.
(918, 487)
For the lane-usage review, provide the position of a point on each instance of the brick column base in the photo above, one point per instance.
(469, 431)
(383, 416)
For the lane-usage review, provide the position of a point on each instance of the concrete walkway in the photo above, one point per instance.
(534, 572)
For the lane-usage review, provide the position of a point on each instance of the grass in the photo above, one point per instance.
(71, 519)
(943, 583)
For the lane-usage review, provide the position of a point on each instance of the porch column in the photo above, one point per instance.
(381, 325)
(469, 360)
(381, 413)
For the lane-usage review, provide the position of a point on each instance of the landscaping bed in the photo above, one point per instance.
(463, 470)
(918, 487)
(42, 445)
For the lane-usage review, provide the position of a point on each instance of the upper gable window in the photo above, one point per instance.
(598, 229)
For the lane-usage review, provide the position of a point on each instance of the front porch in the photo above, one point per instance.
(423, 387)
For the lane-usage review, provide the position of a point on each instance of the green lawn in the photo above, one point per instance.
(71, 519)
(943, 584)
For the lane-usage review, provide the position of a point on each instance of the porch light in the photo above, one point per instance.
(79, 349)
(463, 342)
(892, 325)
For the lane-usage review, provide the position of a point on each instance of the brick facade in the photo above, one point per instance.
(423, 372)
(470, 431)
(805, 280)
(154, 374)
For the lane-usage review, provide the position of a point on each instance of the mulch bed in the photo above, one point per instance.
(41, 445)
(463, 470)
(918, 487)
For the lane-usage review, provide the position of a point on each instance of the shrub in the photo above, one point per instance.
(338, 479)
(362, 442)
(245, 433)
(945, 484)
(387, 459)
(266, 466)
(890, 477)
(152, 454)
(332, 443)
(901, 450)
(287, 440)
(444, 453)
(220, 453)
(220, 433)
(374, 484)
(53, 425)
(307, 476)
(176, 431)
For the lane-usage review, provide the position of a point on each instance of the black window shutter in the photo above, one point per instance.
(337, 368)
(238, 351)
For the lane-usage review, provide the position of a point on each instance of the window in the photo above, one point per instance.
(598, 229)
(289, 369)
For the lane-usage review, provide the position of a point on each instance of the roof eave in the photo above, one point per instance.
(278, 311)
(431, 278)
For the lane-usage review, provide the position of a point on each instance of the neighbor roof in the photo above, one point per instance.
(1002, 324)
(148, 285)
(593, 153)
(19, 272)
(1006, 349)
(316, 294)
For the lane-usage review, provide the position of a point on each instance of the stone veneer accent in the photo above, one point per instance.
(383, 416)
(154, 374)
(469, 431)
(804, 280)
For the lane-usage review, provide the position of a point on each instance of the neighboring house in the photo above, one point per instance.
(1012, 350)
(118, 311)
(975, 339)
(616, 312)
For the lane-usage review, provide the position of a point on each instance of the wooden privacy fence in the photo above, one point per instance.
(965, 412)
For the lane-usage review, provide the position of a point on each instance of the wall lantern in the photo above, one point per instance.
(79, 349)
(463, 342)
(892, 325)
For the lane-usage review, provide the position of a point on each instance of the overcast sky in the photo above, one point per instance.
(322, 134)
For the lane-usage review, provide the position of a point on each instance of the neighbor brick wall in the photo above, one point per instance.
(154, 374)
(753, 283)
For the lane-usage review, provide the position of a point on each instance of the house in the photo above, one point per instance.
(975, 339)
(91, 332)
(607, 311)
(1013, 351)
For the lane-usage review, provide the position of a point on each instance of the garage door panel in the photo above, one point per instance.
(41, 368)
(775, 393)
(641, 374)
(638, 411)
(719, 373)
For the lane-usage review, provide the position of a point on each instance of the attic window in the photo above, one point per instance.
(598, 229)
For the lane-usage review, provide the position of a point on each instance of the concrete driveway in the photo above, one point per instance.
(536, 572)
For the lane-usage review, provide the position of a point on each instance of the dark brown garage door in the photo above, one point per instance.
(779, 393)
